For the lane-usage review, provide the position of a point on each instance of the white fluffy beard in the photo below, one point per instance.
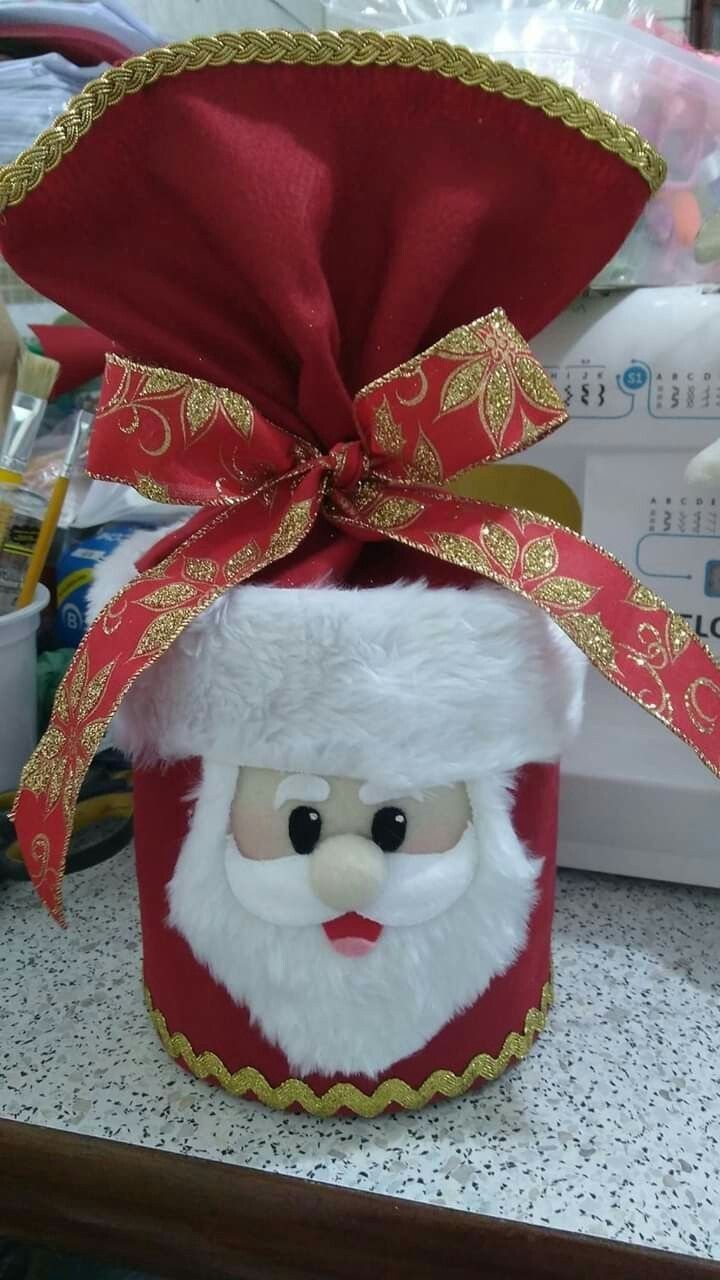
(330, 1013)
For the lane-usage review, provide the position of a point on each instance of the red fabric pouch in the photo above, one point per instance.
(345, 734)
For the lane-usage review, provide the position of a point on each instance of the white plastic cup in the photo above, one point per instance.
(18, 687)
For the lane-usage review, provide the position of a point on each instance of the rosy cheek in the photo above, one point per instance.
(432, 837)
(258, 835)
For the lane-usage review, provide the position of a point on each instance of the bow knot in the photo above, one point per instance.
(348, 463)
(474, 397)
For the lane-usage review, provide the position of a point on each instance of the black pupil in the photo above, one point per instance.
(304, 827)
(389, 828)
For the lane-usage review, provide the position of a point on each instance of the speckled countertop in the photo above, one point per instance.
(611, 1126)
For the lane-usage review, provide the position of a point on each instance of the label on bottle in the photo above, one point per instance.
(20, 538)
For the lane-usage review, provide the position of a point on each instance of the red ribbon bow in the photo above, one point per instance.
(474, 397)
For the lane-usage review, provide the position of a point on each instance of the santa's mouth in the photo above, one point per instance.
(351, 934)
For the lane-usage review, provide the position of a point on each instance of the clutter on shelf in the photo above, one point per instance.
(632, 65)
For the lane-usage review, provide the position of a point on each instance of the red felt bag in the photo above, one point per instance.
(345, 732)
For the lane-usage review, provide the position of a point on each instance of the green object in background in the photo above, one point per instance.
(51, 667)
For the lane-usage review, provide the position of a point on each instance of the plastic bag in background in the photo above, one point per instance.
(400, 13)
(33, 91)
(662, 87)
(90, 503)
(105, 503)
(46, 464)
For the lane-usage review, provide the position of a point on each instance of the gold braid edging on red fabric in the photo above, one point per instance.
(474, 397)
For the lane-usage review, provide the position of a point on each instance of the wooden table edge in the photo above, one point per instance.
(180, 1216)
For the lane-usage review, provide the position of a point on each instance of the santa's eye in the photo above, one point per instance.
(304, 827)
(389, 828)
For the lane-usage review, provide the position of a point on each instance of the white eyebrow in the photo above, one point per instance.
(372, 793)
(301, 786)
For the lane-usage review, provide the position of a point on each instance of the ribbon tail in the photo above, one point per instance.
(135, 629)
(625, 630)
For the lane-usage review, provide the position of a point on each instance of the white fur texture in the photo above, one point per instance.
(332, 1013)
(400, 684)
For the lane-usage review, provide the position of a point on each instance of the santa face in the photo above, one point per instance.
(351, 921)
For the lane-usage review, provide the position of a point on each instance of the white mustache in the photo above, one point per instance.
(418, 886)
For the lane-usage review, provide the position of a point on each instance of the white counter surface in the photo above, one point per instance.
(611, 1126)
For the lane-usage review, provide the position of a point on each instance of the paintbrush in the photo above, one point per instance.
(78, 440)
(34, 381)
(9, 348)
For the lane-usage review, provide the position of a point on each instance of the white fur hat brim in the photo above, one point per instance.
(405, 682)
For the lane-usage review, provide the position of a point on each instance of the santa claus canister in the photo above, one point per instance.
(345, 688)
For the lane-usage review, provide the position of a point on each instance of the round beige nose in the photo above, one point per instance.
(347, 872)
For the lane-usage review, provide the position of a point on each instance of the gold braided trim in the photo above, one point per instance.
(327, 48)
(345, 1095)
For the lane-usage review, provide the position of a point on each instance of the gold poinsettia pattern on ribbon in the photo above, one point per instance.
(475, 396)
(164, 417)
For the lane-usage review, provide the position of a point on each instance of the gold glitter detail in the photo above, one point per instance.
(388, 435)
(498, 400)
(347, 1096)
(457, 549)
(570, 593)
(159, 380)
(426, 467)
(463, 341)
(490, 342)
(239, 563)
(40, 853)
(433, 547)
(152, 489)
(656, 700)
(170, 596)
(62, 708)
(77, 680)
(644, 598)
(291, 530)
(703, 721)
(531, 431)
(163, 630)
(365, 492)
(539, 557)
(200, 404)
(413, 401)
(76, 768)
(93, 690)
(393, 513)
(112, 616)
(502, 545)
(326, 48)
(58, 759)
(679, 634)
(463, 386)
(536, 384)
(44, 770)
(238, 411)
(589, 633)
(92, 735)
(200, 569)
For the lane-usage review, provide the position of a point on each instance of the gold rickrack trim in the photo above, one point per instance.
(345, 1095)
(326, 48)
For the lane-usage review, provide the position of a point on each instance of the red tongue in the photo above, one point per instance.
(352, 935)
(352, 925)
